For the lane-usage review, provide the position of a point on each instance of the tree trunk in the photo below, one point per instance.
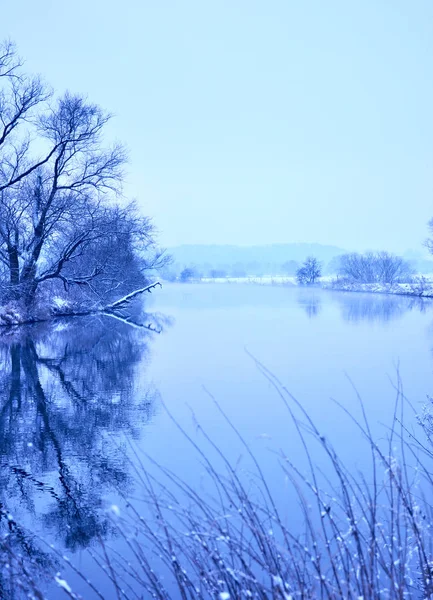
(28, 289)
(28, 283)
(14, 273)
(14, 266)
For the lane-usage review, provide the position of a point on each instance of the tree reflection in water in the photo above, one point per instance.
(357, 307)
(68, 395)
(311, 302)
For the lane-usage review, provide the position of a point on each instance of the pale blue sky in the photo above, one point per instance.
(253, 121)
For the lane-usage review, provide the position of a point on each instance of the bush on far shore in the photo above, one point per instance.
(375, 267)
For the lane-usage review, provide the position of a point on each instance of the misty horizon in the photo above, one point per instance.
(422, 251)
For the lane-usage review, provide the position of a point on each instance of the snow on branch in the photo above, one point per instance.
(122, 302)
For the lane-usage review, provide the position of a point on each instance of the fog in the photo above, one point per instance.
(251, 123)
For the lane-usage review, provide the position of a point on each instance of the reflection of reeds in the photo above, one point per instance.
(361, 536)
(24, 565)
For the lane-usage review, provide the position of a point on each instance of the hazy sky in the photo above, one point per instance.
(256, 121)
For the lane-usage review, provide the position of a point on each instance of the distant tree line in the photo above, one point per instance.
(182, 272)
(369, 267)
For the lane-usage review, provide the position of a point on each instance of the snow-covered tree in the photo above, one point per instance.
(60, 214)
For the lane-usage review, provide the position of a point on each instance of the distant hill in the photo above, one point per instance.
(251, 260)
(270, 253)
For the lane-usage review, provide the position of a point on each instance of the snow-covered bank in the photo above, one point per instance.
(420, 289)
(9, 316)
(266, 280)
(14, 314)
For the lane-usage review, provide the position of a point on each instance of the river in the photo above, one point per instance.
(82, 399)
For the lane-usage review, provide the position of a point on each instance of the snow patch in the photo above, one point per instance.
(419, 289)
(60, 303)
(9, 315)
(63, 584)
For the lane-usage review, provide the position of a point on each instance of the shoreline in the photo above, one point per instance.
(11, 317)
(413, 290)
(420, 289)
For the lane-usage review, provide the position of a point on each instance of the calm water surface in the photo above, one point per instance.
(76, 395)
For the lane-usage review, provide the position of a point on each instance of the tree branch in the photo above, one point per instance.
(122, 302)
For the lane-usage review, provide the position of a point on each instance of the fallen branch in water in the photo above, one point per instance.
(122, 302)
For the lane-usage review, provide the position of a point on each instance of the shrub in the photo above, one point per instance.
(375, 267)
(187, 274)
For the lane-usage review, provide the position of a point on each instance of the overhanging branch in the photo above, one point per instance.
(122, 302)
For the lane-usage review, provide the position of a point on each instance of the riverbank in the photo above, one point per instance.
(13, 315)
(421, 289)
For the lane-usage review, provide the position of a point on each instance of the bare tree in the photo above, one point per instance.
(374, 267)
(59, 214)
(21, 97)
(429, 241)
(309, 272)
